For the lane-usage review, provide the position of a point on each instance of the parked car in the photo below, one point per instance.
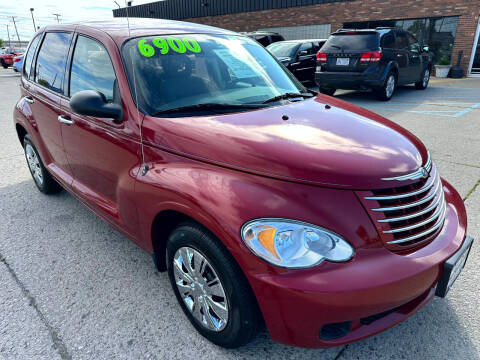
(298, 56)
(379, 59)
(265, 203)
(264, 38)
(6, 58)
(18, 63)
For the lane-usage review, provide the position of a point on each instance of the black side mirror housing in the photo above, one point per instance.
(94, 103)
(303, 53)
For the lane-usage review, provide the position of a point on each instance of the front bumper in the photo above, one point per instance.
(374, 291)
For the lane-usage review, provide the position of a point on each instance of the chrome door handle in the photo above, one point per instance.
(65, 120)
(29, 99)
(399, 55)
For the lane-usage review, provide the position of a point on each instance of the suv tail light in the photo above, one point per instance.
(322, 57)
(17, 59)
(371, 56)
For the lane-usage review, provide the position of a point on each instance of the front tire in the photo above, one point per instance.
(423, 83)
(4, 65)
(210, 287)
(44, 181)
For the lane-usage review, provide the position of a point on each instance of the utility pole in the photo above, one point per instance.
(34, 27)
(15, 25)
(8, 33)
(57, 15)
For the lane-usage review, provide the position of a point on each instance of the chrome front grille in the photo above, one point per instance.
(408, 215)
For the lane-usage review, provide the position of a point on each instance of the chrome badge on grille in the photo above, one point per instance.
(421, 173)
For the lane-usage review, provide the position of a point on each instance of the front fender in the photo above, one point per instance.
(222, 200)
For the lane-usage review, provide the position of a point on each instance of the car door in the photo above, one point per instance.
(306, 59)
(414, 58)
(402, 57)
(104, 154)
(44, 94)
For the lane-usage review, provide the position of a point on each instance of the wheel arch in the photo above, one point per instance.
(21, 132)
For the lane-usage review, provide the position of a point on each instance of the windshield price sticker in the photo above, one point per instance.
(179, 46)
(238, 67)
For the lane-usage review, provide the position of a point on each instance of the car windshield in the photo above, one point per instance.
(183, 71)
(283, 49)
(358, 41)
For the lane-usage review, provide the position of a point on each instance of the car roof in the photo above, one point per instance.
(379, 30)
(260, 33)
(300, 41)
(122, 28)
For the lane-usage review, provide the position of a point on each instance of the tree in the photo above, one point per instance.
(1, 43)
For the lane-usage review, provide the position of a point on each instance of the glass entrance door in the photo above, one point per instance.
(475, 60)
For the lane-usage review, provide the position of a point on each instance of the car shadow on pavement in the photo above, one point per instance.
(105, 298)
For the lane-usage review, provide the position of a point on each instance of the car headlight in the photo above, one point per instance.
(294, 244)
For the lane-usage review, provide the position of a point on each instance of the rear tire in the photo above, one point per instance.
(4, 65)
(423, 83)
(233, 315)
(329, 92)
(42, 178)
(386, 92)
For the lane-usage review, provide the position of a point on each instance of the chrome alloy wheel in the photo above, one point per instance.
(426, 78)
(390, 86)
(200, 288)
(34, 164)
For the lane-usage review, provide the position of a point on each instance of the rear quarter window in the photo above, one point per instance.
(346, 42)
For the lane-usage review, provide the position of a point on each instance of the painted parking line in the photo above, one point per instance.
(400, 107)
(466, 111)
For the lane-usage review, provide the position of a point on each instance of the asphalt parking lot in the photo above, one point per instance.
(71, 287)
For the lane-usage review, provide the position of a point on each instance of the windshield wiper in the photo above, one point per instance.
(289, 95)
(207, 106)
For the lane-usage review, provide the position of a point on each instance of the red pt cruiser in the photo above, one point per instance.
(265, 202)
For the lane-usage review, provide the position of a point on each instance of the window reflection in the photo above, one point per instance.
(92, 68)
(51, 60)
(436, 33)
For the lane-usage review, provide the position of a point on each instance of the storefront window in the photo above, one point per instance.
(436, 33)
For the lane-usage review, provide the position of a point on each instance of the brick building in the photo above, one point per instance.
(447, 26)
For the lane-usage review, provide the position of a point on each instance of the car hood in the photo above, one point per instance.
(325, 141)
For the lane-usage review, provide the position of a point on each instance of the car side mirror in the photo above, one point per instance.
(426, 49)
(94, 103)
(303, 53)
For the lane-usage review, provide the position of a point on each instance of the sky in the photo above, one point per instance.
(70, 10)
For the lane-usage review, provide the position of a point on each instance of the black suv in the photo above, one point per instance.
(378, 59)
(298, 56)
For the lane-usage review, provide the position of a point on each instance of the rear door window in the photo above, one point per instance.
(388, 41)
(92, 68)
(308, 47)
(50, 67)
(355, 42)
(29, 56)
(402, 41)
